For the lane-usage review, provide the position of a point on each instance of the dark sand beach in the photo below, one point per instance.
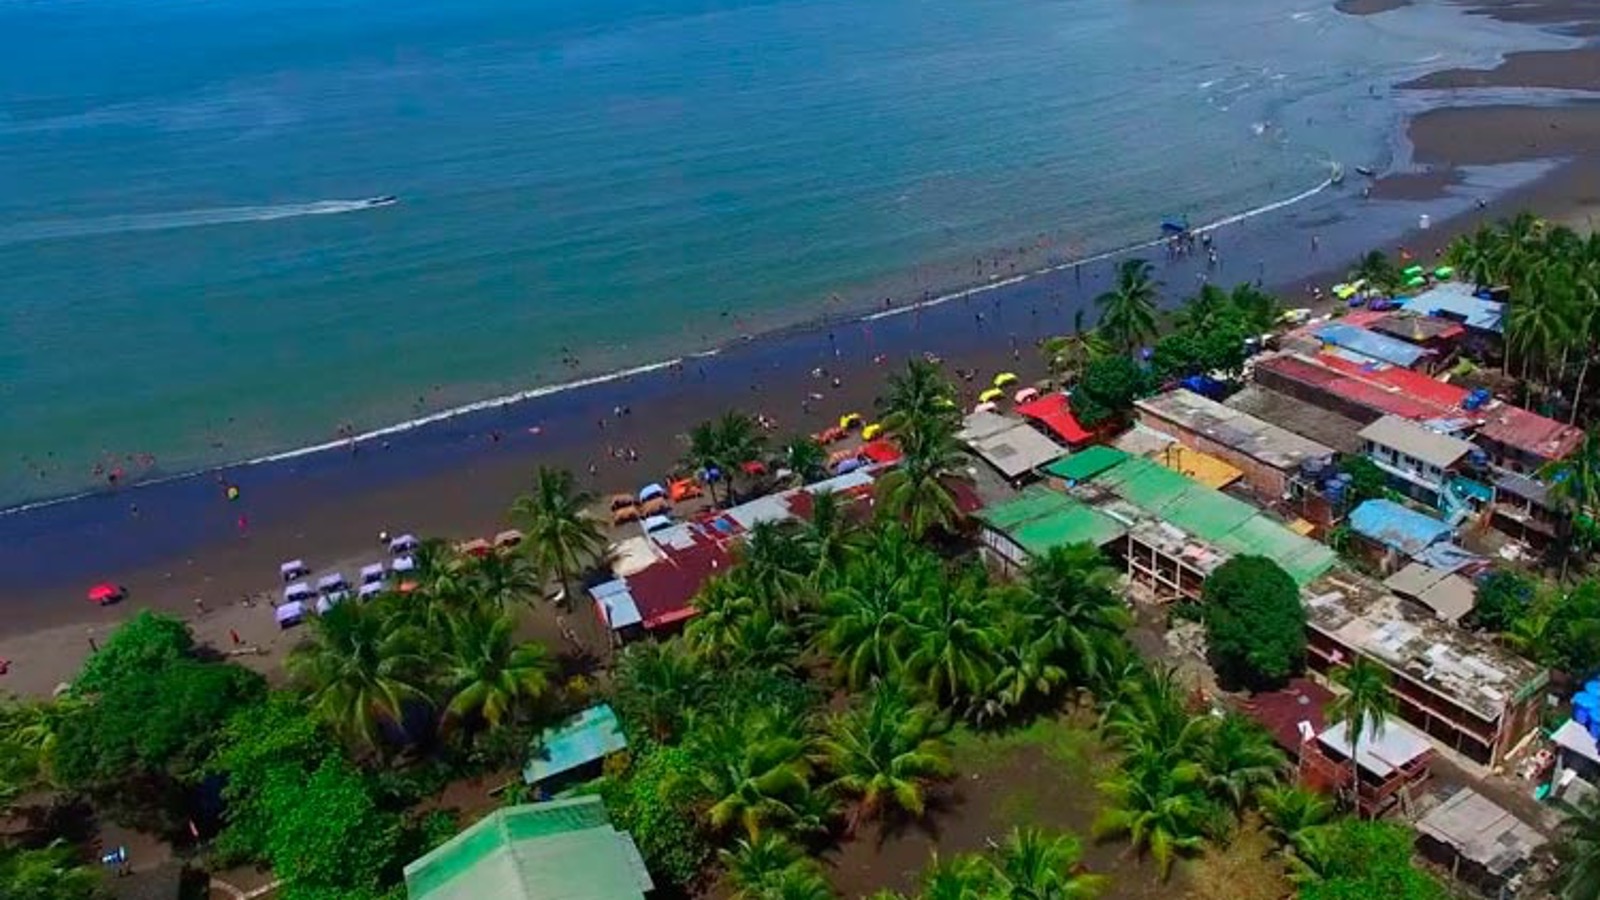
(1577, 70)
(173, 542)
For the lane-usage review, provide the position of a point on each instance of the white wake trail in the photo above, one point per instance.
(195, 218)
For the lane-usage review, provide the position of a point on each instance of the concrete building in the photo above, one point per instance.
(1269, 457)
(1011, 446)
(1305, 419)
(1039, 520)
(1464, 691)
(1421, 463)
(1524, 510)
(1390, 763)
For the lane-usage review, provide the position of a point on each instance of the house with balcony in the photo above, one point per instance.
(1428, 466)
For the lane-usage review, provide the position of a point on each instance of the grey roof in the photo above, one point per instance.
(1482, 832)
(1524, 487)
(1259, 439)
(1412, 439)
(1013, 447)
(1305, 419)
(1382, 751)
(1447, 594)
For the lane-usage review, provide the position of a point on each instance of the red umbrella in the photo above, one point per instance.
(104, 592)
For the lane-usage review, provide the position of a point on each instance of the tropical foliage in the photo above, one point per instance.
(1255, 623)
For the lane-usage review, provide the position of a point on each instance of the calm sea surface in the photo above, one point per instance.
(184, 279)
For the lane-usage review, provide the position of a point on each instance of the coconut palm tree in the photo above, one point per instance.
(754, 865)
(1128, 311)
(917, 492)
(799, 883)
(657, 683)
(1147, 709)
(1159, 803)
(964, 877)
(1204, 309)
(755, 771)
(1074, 588)
(489, 675)
(1035, 865)
(1067, 355)
(952, 638)
(1477, 256)
(722, 605)
(762, 641)
(1578, 850)
(883, 755)
(1239, 760)
(1291, 812)
(706, 454)
(1363, 708)
(504, 580)
(1575, 484)
(806, 459)
(1537, 327)
(359, 668)
(1026, 654)
(562, 537)
(773, 566)
(738, 440)
(1377, 269)
(1261, 310)
(828, 539)
(918, 394)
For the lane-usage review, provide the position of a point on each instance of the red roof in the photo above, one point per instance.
(1055, 415)
(1282, 711)
(1447, 398)
(663, 590)
(1530, 432)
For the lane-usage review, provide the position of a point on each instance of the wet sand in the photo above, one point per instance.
(1369, 7)
(1493, 135)
(1575, 70)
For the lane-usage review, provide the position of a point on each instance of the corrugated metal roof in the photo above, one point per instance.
(1086, 463)
(588, 736)
(1041, 519)
(1480, 831)
(1395, 526)
(1384, 748)
(1259, 439)
(1455, 300)
(1013, 447)
(1371, 344)
(1412, 439)
(561, 850)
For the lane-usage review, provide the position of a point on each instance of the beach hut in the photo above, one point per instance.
(992, 395)
(405, 543)
(369, 590)
(651, 491)
(299, 592)
(1005, 378)
(872, 431)
(372, 574)
(656, 523)
(293, 569)
(403, 564)
(328, 584)
(511, 537)
(290, 614)
(1026, 395)
(105, 593)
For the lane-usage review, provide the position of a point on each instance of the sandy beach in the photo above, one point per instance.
(174, 542)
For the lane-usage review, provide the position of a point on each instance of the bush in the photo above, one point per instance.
(1255, 625)
(1356, 860)
(144, 644)
(1503, 597)
(1107, 390)
(654, 802)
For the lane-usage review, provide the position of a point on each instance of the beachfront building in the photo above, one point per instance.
(1269, 457)
(573, 749)
(1010, 446)
(1438, 336)
(1426, 465)
(1464, 691)
(1460, 302)
(1366, 347)
(560, 850)
(1052, 414)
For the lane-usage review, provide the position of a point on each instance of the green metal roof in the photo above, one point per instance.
(1034, 503)
(561, 850)
(590, 735)
(1086, 463)
(1041, 519)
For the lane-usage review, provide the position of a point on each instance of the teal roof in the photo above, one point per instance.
(592, 734)
(1042, 519)
(1086, 463)
(561, 850)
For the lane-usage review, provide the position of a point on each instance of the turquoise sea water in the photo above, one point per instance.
(619, 180)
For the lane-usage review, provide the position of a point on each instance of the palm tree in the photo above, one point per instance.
(1377, 269)
(828, 539)
(799, 883)
(1158, 802)
(1575, 484)
(1239, 760)
(53, 872)
(1128, 311)
(754, 864)
(1578, 850)
(772, 566)
(740, 440)
(658, 683)
(965, 877)
(359, 668)
(806, 459)
(1025, 665)
(561, 536)
(916, 492)
(1147, 710)
(883, 754)
(1537, 327)
(707, 455)
(504, 579)
(1292, 812)
(1067, 355)
(1204, 309)
(1363, 708)
(755, 771)
(866, 628)
(489, 674)
(1260, 309)
(918, 394)
(722, 605)
(1075, 588)
(1477, 256)
(952, 643)
(1034, 865)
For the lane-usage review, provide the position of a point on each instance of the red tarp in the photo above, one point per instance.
(881, 451)
(1053, 413)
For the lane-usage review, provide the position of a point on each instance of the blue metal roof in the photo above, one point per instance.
(1393, 525)
(1371, 344)
(1456, 300)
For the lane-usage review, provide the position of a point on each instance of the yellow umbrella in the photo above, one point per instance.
(1005, 378)
(991, 395)
(872, 431)
(849, 420)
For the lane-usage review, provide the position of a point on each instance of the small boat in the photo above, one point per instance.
(1175, 225)
(1363, 170)
(385, 200)
(1336, 176)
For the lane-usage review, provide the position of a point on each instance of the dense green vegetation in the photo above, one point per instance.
(1255, 622)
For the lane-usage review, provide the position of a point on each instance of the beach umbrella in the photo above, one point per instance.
(1027, 394)
(105, 592)
(684, 489)
(1416, 281)
(985, 407)
(372, 574)
(1005, 378)
(755, 467)
(872, 431)
(1411, 271)
(850, 420)
(651, 490)
(1444, 272)
(508, 538)
(293, 569)
(405, 543)
(991, 395)
(846, 466)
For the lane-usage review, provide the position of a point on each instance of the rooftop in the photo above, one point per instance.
(1054, 413)
(1305, 419)
(590, 735)
(561, 850)
(1042, 519)
(1383, 750)
(1476, 673)
(1013, 447)
(1202, 467)
(1370, 344)
(1456, 300)
(1409, 326)
(1281, 711)
(1478, 829)
(1577, 739)
(1412, 439)
(1449, 595)
(1398, 527)
(1278, 447)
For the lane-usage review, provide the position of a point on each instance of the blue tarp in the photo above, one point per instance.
(1455, 300)
(1371, 344)
(1397, 527)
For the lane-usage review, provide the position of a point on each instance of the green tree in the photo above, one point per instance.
(326, 835)
(917, 396)
(1293, 812)
(143, 644)
(866, 629)
(504, 580)
(48, 873)
(655, 802)
(952, 640)
(722, 607)
(753, 770)
(1363, 708)
(806, 459)
(1504, 596)
(1128, 310)
(1068, 355)
(758, 868)
(1350, 859)
(917, 492)
(489, 675)
(656, 684)
(1378, 270)
(1035, 865)
(1158, 802)
(561, 535)
(359, 667)
(1476, 256)
(1578, 850)
(829, 539)
(883, 754)
(1255, 623)
(258, 740)
(1079, 611)
(1107, 390)
(1239, 761)
(1571, 636)
(1367, 481)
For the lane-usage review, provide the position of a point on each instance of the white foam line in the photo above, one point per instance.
(1015, 279)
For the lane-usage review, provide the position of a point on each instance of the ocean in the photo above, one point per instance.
(188, 275)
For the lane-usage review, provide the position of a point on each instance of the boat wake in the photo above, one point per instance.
(195, 218)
